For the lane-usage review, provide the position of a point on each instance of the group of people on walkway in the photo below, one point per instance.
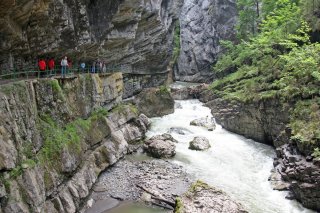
(49, 64)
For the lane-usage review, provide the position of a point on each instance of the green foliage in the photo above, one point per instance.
(122, 108)
(198, 184)
(101, 112)
(55, 85)
(16, 172)
(164, 89)
(316, 153)
(176, 43)
(70, 136)
(278, 62)
(249, 17)
(305, 122)
(179, 206)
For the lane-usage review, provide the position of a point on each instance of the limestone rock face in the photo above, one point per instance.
(56, 136)
(199, 143)
(203, 198)
(203, 24)
(161, 146)
(192, 92)
(261, 121)
(137, 34)
(160, 99)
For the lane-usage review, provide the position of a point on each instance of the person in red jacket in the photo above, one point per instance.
(51, 65)
(42, 67)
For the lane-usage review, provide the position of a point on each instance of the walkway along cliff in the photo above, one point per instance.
(56, 136)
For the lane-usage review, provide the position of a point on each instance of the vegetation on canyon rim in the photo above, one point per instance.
(277, 56)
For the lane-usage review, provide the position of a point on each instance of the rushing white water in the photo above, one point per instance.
(236, 165)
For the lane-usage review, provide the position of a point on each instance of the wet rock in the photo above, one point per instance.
(290, 196)
(199, 144)
(165, 137)
(202, 198)
(208, 123)
(179, 130)
(191, 92)
(160, 146)
(302, 177)
(177, 105)
(145, 120)
(155, 102)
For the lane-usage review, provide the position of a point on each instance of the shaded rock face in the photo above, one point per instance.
(192, 92)
(203, 24)
(160, 99)
(302, 176)
(135, 83)
(160, 146)
(134, 33)
(60, 180)
(203, 198)
(199, 144)
(263, 121)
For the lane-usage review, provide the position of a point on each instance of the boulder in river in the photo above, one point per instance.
(160, 146)
(202, 198)
(204, 122)
(179, 130)
(199, 143)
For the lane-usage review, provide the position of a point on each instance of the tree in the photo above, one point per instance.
(249, 18)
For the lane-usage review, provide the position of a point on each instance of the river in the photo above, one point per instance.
(237, 165)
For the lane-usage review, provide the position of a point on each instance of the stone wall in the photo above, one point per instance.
(135, 33)
(56, 136)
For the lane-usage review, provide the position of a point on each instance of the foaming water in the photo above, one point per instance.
(236, 165)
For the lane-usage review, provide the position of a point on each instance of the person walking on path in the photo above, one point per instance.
(51, 66)
(100, 66)
(93, 68)
(82, 66)
(64, 65)
(104, 67)
(42, 67)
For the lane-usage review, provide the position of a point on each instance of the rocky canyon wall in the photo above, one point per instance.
(136, 34)
(203, 23)
(56, 136)
(268, 121)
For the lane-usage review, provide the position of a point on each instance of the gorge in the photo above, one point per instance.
(61, 138)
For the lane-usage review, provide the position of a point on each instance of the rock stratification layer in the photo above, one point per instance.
(56, 136)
